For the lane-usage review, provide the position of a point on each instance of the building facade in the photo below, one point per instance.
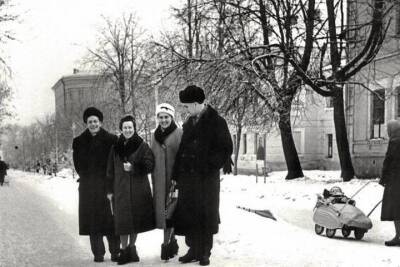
(313, 133)
(369, 110)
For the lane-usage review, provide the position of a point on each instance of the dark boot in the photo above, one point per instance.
(124, 256)
(393, 242)
(188, 257)
(114, 257)
(204, 261)
(98, 258)
(133, 253)
(172, 248)
(164, 252)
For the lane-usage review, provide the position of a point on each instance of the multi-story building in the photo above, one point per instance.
(368, 110)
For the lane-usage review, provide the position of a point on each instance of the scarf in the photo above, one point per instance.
(125, 148)
(160, 135)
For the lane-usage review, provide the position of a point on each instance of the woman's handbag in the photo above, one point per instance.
(172, 201)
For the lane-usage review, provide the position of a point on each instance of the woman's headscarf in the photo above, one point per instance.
(393, 128)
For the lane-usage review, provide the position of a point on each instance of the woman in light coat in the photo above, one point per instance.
(164, 144)
(129, 164)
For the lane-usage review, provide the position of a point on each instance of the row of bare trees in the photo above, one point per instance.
(253, 57)
(7, 19)
(27, 145)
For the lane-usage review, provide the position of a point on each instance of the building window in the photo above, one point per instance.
(378, 113)
(244, 143)
(398, 102)
(261, 148)
(297, 137)
(255, 143)
(330, 145)
(329, 102)
(234, 143)
(398, 20)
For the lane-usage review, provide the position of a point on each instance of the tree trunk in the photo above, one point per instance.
(289, 148)
(237, 142)
(347, 170)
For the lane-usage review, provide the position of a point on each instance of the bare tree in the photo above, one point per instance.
(332, 71)
(124, 57)
(118, 57)
(7, 18)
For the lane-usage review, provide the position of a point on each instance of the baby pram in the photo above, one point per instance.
(344, 216)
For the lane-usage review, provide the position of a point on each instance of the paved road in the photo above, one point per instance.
(34, 232)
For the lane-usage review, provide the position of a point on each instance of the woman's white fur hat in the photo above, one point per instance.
(165, 108)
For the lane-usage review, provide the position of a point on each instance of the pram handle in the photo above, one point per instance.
(377, 204)
(351, 198)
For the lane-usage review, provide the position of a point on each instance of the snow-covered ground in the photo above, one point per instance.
(247, 239)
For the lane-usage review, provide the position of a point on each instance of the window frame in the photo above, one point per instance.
(381, 122)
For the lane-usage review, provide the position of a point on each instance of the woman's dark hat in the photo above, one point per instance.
(192, 94)
(92, 111)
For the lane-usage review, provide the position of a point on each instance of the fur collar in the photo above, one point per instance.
(87, 136)
(160, 135)
(124, 148)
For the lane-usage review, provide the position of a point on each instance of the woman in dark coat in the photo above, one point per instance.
(391, 181)
(129, 164)
(164, 144)
(90, 155)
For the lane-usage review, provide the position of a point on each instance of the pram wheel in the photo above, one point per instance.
(359, 233)
(319, 229)
(346, 231)
(330, 232)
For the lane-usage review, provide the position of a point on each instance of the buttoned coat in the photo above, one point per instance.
(164, 155)
(205, 148)
(90, 155)
(133, 203)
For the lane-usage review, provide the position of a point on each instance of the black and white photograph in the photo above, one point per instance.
(226, 133)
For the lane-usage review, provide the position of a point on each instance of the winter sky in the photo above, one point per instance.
(53, 36)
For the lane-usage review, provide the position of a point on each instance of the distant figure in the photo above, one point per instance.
(390, 179)
(55, 168)
(3, 171)
(38, 167)
(90, 155)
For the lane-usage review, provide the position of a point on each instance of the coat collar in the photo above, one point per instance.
(206, 116)
(86, 135)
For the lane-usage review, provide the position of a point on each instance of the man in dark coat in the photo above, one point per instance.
(90, 155)
(3, 171)
(205, 148)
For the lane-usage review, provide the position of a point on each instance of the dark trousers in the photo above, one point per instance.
(97, 244)
(200, 243)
